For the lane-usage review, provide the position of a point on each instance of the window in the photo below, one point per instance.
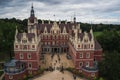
(10, 77)
(33, 46)
(24, 41)
(53, 43)
(92, 74)
(48, 43)
(81, 64)
(87, 64)
(30, 72)
(86, 40)
(21, 56)
(85, 46)
(81, 55)
(29, 56)
(87, 55)
(25, 47)
(92, 46)
(16, 46)
(30, 65)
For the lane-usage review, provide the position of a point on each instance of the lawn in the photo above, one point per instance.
(97, 34)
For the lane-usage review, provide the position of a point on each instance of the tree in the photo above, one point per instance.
(110, 66)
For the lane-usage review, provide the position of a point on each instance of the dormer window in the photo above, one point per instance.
(85, 40)
(25, 47)
(16, 46)
(24, 41)
(33, 46)
(92, 46)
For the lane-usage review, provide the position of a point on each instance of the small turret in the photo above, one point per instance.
(74, 19)
(16, 31)
(65, 21)
(42, 21)
(59, 21)
(49, 22)
(91, 32)
(16, 34)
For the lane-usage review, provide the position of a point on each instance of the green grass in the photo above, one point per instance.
(97, 34)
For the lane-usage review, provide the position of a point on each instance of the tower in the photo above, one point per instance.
(32, 11)
(32, 21)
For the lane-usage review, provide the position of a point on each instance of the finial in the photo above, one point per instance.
(54, 17)
(32, 5)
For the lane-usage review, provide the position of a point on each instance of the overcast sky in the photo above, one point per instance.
(90, 11)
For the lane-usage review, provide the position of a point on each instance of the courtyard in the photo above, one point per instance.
(56, 62)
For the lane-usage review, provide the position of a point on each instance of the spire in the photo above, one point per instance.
(91, 30)
(32, 11)
(16, 30)
(74, 19)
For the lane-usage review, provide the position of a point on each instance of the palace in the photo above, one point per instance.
(54, 38)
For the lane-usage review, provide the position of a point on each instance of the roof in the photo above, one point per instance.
(11, 63)
(28, 35)
(97, 45)
(68, 26)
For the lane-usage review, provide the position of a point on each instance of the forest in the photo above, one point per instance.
(108, 35)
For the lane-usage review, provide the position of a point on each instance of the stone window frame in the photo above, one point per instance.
(29, 56)
(30, 67)
(21, 56)
(81, 55)
(10, 77)
(80, 64)
(16, 46)
(87, 64)
(88, 53)
(33, 46)
(92, 74)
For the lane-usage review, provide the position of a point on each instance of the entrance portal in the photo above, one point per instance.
(55, 50)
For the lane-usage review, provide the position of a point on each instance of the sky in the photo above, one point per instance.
(87, 11)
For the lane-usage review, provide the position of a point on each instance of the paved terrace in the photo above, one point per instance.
(56, 74)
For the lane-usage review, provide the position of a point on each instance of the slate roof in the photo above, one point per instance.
(11, 63)
(28, 35)
(97, 45)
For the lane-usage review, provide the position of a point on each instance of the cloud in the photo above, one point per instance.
(96, 11)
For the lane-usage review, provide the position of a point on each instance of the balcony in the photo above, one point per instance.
(14, 71)
(90, 69)
(14, 67)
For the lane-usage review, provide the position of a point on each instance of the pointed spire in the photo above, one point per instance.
(65, 21)
(49, 21)
(43, 21)
(91, 30)
(32, 11)
(59, 21)
(16, 30)
(74, 19)
(16, 35)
